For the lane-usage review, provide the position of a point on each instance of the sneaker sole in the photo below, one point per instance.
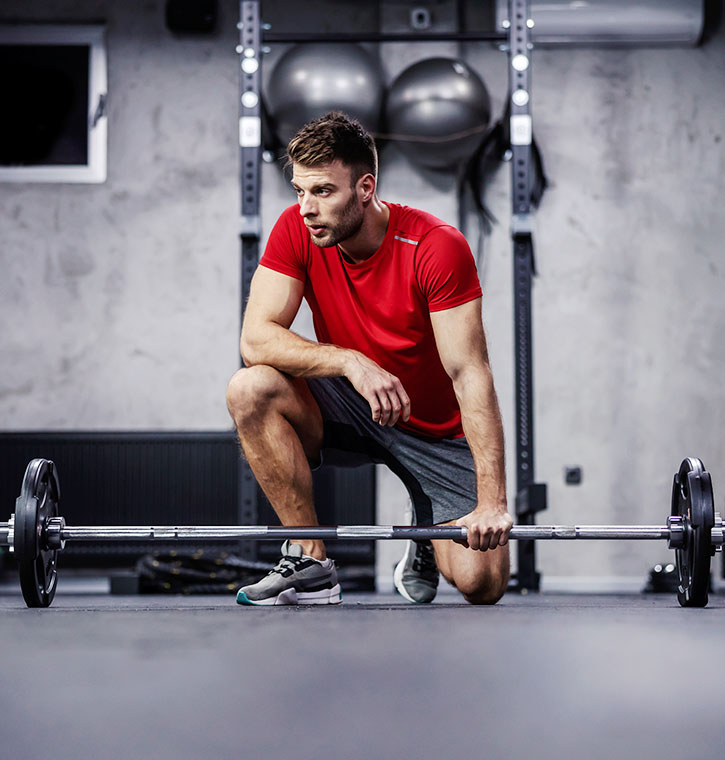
(290, 597)
(398, 579)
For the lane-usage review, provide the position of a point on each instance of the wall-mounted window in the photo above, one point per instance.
(53, 88)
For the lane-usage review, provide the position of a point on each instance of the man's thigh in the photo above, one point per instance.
(439, 475)
(350, 436)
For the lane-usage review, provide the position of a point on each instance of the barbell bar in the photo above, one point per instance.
(36, 532)
(57, 532)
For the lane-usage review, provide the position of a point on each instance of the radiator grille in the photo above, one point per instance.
(145, 478)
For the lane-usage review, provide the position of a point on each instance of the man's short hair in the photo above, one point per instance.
(335, 136)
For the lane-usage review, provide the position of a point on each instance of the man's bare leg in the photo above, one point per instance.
(482, 577)
(280, 428)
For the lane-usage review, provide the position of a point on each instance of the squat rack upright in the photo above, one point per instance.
(516, 41)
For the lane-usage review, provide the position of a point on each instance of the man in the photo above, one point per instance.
(400, 374)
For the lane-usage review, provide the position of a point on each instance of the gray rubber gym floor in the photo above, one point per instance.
(540, 676)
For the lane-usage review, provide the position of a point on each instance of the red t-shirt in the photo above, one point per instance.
(381, 307)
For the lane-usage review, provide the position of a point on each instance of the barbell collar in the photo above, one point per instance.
(53, 534)
(677, 532)
(716, 534)
(7, 534)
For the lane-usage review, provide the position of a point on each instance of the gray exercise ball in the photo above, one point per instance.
(310, 80)
(435, 98)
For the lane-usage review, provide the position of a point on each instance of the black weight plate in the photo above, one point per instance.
(38, 501)
(692, 499)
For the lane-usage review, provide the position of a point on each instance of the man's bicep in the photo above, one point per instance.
(460, 337)
(273, 297)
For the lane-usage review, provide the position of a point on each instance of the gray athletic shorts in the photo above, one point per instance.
(438, 472)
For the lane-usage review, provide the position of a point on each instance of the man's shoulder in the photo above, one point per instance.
(415, 223)
(414, 220)
(289, 229)
(291, 215)
(285, 250)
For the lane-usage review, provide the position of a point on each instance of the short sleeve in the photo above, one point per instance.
(286, 246)
(445, 269)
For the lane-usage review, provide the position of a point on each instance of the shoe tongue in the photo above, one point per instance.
(291, 550)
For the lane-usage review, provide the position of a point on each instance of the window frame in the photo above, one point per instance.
(93, 35)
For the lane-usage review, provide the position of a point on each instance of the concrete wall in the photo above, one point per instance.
(119, 303)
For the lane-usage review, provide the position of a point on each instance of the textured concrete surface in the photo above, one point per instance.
(544, 676)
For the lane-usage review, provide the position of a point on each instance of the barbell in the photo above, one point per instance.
(36, 532)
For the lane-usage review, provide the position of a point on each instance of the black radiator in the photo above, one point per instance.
(161, 478)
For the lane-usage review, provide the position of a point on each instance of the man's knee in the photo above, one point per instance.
(488, 592)
(487, 584)
(252, 389)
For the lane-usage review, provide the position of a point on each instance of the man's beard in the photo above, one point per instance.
(349, 224)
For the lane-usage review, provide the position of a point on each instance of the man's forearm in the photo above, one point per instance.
(483, 428)
(282, 349)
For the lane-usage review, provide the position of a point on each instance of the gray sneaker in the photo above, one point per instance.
(416, 575)
(297, 579)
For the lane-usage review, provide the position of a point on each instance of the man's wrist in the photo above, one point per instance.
(345, 358)
(491, 505)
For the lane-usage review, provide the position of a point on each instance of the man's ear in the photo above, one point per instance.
(366, 186)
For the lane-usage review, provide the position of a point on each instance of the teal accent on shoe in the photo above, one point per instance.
(242, 599)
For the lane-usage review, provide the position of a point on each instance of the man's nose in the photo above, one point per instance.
(308, 207)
